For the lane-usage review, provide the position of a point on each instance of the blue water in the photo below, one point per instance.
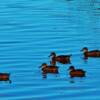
(30, 30)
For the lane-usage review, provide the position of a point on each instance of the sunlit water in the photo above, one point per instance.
(30, 30)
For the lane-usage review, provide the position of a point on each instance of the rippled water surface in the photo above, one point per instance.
(30, 30)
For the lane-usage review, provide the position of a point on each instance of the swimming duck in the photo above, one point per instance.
(64, 59)
(76, 72)
(93, 53)
(49, 68)
(5, 77)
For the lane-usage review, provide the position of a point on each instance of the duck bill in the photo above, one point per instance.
(40, 66)
(50, 55)
(68, 69)
(82, 50)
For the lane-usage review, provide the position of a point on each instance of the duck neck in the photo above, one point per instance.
(44, 66)
(72, 70)
(54, 55)
(86, 54)
(85, 50)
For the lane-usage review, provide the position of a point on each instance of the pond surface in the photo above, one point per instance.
(30, 30)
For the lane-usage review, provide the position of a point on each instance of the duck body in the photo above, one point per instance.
(76, 72)
(5, 77)
(49, 69)
(64, 59)
(92, 53)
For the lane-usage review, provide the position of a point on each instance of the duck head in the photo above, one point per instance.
(85, 49)
(44, 65)
(71, 68)
(53, 54)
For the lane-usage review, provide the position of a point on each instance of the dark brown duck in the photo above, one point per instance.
(5, 77)
(64, 59)
(93, 53)
(76, 72)
(49, 68)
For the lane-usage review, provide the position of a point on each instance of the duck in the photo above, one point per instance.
(93, 53)
(5, 77)
(76, 72)
(49, 68)
(63, 59)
